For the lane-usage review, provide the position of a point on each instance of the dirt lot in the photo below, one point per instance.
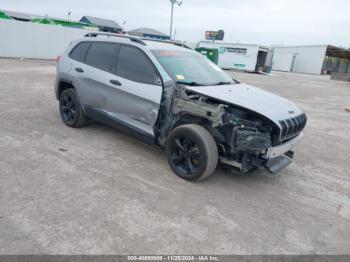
(96, 190)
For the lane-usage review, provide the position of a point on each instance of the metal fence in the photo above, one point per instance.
(30, 40)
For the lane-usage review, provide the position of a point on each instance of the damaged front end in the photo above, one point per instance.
(245, 139)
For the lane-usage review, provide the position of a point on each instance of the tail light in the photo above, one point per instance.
(58, 59)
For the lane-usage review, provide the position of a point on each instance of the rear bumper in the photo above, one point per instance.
(274, 152)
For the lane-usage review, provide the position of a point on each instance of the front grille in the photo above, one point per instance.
(292, 127)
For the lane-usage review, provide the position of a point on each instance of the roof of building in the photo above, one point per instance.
(228, 44)
(21, 15)
(29, 17)
(298, 46)
(102, 22)
(147, 31)
(338, 52)
(331, 50)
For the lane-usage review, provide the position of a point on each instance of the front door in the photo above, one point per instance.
(137, 90)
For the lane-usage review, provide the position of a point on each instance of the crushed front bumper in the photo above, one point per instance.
(274, 152)
(278, 157)
(274, 165)
(274, 160)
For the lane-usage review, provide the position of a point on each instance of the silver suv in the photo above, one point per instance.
(171, 96)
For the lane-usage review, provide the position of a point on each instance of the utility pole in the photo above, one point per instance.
(173, 2)
(69, 13)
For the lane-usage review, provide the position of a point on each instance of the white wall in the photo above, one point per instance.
(228, 60)
(308, 59)
(29, 40)
(282, 61)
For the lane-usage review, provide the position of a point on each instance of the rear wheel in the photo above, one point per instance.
(192, 152)
(70, 109)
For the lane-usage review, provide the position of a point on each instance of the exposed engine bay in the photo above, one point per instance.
(243, 137)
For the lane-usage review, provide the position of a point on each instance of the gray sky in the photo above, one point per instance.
(247, 21)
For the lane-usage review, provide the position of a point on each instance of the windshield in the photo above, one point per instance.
(191, 68)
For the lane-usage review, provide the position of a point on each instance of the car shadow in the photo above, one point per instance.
(222, 175)
(126, 138)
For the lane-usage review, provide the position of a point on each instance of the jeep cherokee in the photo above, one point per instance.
(171, 96)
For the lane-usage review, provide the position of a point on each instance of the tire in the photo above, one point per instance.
(192, 152)
(70, 109)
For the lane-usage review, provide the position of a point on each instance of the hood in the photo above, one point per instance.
(252, 98)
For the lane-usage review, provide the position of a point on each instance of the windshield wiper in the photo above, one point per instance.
(189, 83)
(199, 84)
(223, 83)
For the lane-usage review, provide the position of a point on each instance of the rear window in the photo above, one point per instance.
(79, 51)
(101, 56)
(135, 66)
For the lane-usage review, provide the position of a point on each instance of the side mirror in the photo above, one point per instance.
(157, 80)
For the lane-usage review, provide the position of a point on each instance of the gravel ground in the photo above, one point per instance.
(96, 190)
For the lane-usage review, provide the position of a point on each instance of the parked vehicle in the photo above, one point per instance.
(171, 96)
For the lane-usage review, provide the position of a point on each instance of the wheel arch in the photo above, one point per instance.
(187, 118)
(63, 85)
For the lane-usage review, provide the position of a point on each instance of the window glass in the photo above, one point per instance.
(191, 67)
(135, 66)
(101, 55)
(79, 51)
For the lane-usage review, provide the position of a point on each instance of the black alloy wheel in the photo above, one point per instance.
(186, 155)
(70, 109)
(192, 152)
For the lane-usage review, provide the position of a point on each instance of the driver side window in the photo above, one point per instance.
(134, 65)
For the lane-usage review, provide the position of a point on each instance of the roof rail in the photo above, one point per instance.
(166, 41)
(132, 38)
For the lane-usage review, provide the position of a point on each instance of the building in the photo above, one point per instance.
(35, 40)
(313, 59)
(104, 25)
(246, 57)
(3, 15)
(20, 16)
(150, 33)
(86, 22)
(38, 19)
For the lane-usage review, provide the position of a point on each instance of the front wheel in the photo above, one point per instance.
(192, 152)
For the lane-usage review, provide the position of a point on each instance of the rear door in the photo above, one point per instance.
(136, 95)
(94, 74)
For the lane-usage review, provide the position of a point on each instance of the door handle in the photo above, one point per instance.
(79, 70)
(115, 82)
